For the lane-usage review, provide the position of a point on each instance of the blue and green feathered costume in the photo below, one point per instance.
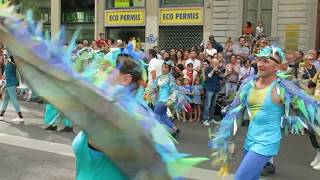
(299, 111)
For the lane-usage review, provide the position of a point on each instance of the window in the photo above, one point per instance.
(259, 10)
(45, 16)
(180, 2)
(125, 33)
(78, 17)
(114, 4)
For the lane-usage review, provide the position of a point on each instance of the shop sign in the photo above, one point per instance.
(121, 3)
(125, 18)
(181, 16)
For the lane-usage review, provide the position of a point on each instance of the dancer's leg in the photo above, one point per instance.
(5, 102)
(315, 145)
(13, 98)
(67, 123)
(161, 110)
(251, 166)
(313, 139)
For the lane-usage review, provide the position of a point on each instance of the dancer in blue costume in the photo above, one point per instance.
(91, 163)
(268, 100)
(53, 118)
(10, 90)
(165, 85)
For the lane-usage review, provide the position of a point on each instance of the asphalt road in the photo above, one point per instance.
(28, 152)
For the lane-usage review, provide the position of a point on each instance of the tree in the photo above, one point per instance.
(24, 5)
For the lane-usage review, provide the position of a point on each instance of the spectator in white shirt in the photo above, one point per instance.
(246, 70)
(210, 51)
(259, 30)
(154, 68)
(196, 63)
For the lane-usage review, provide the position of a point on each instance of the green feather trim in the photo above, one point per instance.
(181, 166)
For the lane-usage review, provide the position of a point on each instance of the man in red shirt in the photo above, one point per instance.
(101, 42)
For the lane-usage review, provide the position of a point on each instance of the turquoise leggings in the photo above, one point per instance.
(10, 94)
(251, 166)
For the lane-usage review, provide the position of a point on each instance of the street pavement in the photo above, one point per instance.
(28, 152)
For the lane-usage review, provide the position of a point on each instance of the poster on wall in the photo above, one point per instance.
(121, 3)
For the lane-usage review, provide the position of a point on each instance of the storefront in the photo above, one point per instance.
(180, 23)
(180, 27)
(125, 19)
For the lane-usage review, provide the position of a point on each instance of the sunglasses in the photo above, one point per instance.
(270, 57)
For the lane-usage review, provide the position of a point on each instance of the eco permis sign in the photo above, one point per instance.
(125, 18)
(181, 16)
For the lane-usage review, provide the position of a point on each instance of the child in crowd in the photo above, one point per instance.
(179, 83)
(259, 30)
(190, 73)
(189, 93)
(197, 92)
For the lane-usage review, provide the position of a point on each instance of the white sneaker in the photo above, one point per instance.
(215, 122)
(316, 160)
(317, 166)
(206, 123)
(1, 118)
(18, 120)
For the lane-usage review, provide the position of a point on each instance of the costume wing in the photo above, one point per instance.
(122, 128)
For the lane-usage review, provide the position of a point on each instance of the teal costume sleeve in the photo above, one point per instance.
(92, 164)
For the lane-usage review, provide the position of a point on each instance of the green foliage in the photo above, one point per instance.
(24, 5)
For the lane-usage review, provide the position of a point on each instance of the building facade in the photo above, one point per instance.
(291, 24)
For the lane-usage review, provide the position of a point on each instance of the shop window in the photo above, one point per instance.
(126, 33)
(114, 4)
(259, 10)
(180, 2)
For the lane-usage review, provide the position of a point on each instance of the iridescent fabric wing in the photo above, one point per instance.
(121, 127)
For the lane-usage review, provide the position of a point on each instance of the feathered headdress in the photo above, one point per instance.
(271, 52)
